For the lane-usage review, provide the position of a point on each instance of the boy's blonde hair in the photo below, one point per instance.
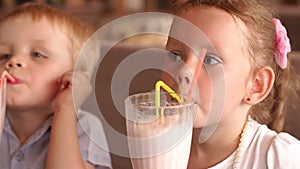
(76, 31)
(257, 16)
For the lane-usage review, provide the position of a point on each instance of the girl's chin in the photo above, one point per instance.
(203, 123)
(200, 119)
(199, 123)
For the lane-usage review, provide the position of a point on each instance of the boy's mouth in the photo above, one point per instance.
(9, 77)
(13, 81)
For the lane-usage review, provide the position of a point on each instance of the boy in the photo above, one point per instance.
(39, 46)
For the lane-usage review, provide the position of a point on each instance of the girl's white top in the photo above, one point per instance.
(264, 148)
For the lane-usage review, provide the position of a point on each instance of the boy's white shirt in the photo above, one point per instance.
(33, 153)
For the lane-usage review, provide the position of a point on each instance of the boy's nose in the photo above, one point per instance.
(14, 63)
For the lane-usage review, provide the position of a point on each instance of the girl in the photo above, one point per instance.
(251, 49)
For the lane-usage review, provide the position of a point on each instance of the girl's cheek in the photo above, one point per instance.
(169, 80)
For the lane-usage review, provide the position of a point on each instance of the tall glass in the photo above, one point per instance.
(159, 139)
(2, 103)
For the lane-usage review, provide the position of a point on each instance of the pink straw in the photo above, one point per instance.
(196, 74)
(5, 74)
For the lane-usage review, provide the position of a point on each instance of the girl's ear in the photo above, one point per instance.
(260, 86)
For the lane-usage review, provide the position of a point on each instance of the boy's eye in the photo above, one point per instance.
(37, 55)
(211, 59)
(4, 56)
(174, 56)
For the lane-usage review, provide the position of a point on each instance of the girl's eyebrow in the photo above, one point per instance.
(210, 48)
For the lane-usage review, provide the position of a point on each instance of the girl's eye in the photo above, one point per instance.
(174, 56)
(37, 55)
(211, 59)
(4, 56)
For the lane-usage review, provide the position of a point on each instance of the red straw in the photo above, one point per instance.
(196, 74)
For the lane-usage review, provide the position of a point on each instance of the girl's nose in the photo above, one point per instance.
(184, 79)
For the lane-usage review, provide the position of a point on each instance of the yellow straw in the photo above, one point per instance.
(162, 84)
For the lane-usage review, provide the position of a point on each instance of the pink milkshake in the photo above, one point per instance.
(159, 141)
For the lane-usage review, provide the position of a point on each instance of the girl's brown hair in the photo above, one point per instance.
(77, 31)
(257, 16)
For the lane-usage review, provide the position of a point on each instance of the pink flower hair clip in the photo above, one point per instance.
(283, 46)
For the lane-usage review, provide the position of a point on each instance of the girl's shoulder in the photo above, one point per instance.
(279, 149)
(276, 140)
(285, 140)
(284, 151)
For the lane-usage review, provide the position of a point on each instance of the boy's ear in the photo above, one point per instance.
(260, 86)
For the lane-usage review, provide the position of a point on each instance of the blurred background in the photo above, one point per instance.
(100, 12)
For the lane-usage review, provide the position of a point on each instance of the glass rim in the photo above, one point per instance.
(176, 105)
